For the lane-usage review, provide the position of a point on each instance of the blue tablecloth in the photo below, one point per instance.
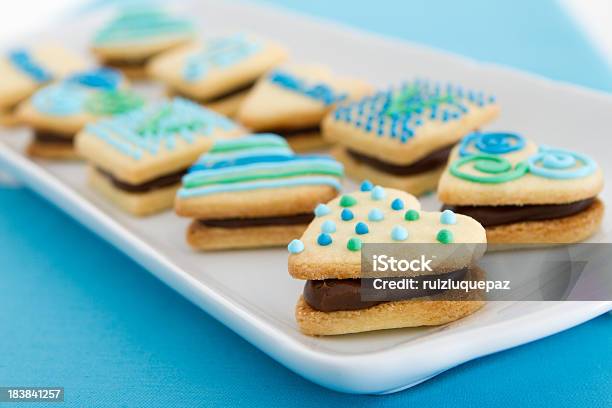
(75, 312)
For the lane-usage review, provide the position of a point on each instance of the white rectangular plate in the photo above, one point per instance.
(229, 285)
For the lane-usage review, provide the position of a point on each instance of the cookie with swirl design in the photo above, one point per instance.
(293, 100)
(218, 72)
(24, 70)
(57, 112)
(523, 193)
(401, 137)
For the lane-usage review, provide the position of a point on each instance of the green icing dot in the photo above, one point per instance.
(348, 201)
(444, 236)
(354, 244)
(411, 215)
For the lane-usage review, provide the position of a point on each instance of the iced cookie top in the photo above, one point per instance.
(505, 168)
(404, 124)
(331, 246)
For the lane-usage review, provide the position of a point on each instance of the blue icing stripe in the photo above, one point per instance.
(239, 162)
(25, 62)
(265, 170)
(219, 53)
(259, 184)
(99, 78)
(60, 100)
(319, 91)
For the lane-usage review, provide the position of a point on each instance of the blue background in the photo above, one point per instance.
(75, 312)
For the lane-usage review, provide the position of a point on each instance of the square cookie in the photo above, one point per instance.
(218, 72)
(134, 36)
(292, 101)
(137, 159)
(402, 137)
(254, 192)
(58, 111)
(523, 193)
(24, 70)
(328, 257)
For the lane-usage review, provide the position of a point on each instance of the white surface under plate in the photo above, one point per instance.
(229, 285)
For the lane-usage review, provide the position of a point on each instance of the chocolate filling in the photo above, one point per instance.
(331, 295)
(229, 93)
(259, 222)
(432, 161)
(126, 63)
(48, 137)
(151, 185)
(490, 216)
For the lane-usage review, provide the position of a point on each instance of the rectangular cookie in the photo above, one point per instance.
(401, 137)
(137, 159)
(253, 192)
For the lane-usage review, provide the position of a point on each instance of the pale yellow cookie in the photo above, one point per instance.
(382, 211)
(24, 70)
(297, 97)
(217, 67)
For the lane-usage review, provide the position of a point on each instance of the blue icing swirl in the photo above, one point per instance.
(60, 100)
(318, 91)
(99, 78)
(25, 62)
(560, 164)
(491, 143)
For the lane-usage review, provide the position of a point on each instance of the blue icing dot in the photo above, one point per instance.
(328, 226)
(296, 246)
(321, 210)
(324, 239)
(361, 228)
(375, 215)
(397, 204)
(346, 215)
(399, 233)
(448, 217)
(366, 186)
(378, 193)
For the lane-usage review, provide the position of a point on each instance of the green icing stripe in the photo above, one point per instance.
(248, 142)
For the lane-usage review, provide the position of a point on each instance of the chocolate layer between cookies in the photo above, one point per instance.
(52, 138)
(232, 223)
(227, 94)
(330, 295)
(157, 183)
(490, 216)
(432, 161)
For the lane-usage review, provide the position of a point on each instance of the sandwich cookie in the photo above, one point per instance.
(57, 112)
(328, 257)
(24, 70)
(254, 192)
(523, 193)
(219, 72)
(130, 40)
(137, 159)
(401, 138)
(292, 101)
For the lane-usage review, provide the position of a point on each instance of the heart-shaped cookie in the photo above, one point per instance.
(521, 192)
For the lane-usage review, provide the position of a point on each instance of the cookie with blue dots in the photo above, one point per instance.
(254, 192)
(218, 72)
(57, 112)
(23, 70)
(328, 257)
(135, 35)
(521, 192)
(293, 100)
(137, 159)
(402, 137)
